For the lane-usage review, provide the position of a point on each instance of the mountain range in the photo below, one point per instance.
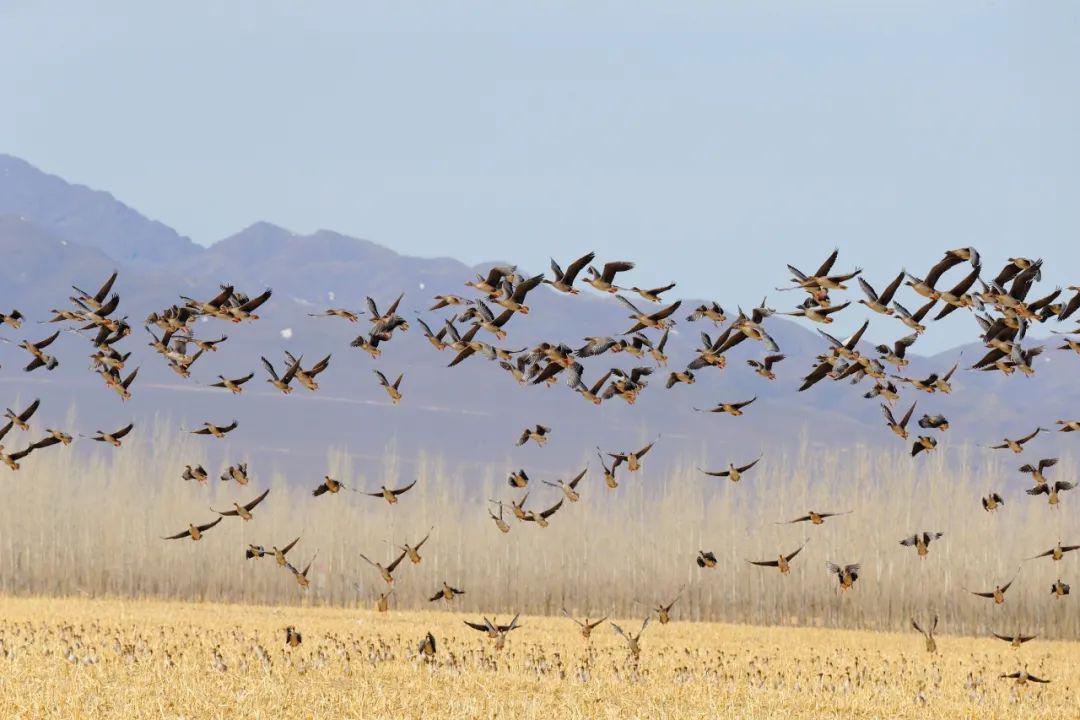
(54, 234)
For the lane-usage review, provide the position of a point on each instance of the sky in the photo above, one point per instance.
(709, 142)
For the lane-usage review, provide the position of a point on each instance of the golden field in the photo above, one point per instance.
(80, 658)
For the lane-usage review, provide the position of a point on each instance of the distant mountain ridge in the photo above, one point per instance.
(89, 217)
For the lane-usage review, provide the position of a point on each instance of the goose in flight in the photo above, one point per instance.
(195, 532)
(243, 511)
(782, 561)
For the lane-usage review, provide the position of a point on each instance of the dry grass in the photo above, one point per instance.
(138, 659)
(89, 523)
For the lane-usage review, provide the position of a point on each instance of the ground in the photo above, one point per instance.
(82, 658)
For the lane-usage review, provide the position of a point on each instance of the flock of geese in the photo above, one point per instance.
(1000, 305)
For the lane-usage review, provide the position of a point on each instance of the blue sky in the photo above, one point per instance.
(710, 142)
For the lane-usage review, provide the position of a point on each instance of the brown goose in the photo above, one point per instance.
(992, 502)
(427, 647)
(13, 319)
(1036, 471)
(1017, 446)
(958, 297)
(41, 359)
(246, 310)
(1051, 491)
(503, 526)
(711, 310)
(193, 531)
(307, 377)
(218, 431)
(658, 319)
(370, 343)
(931, 644)
(880, 303)
(293, 638)
(112, 438)
(342, 313)
(281, 383)
(518, 479)
(569, 488)
(732, 472)
(12, 460)
(447, 593)
(392, 389)
(442, 301)
(632, 459)
(387, 572)
(921, 541)
(1055, 553)
(706, 559)
(652, 294)
(301, 575)
(279, 554)
(764, 366)
(564, 281)
(254, 551)
(383, 603)
(997, 594)
(120, 385)
(821, 280)
(243, 511)
(1068, 425)
(676, 377)
(537, 434)
(633, 642)
(609, 472)
(586, 626)
(923, 443)
(663, 612)
(927, 385)
(896, 355)
(540, 518)
(233, 386)
(20, 420)
(496, 632)
(846, 575)
(436, 339)
(54, 437)
(513, 295)
(900, 428)
(238, 472)
(391, 496)
(328, 485)
(657, 351)
(197, 473)
(734, 409)
(489, 284)
(605, 281)
(1015, 640)
(215, 306)
(1022, 677)
(914, 320)
(413, 551)
(518, 507)
(817, 313)
(935, 422)
(815, 518)
(1059, 589)
(782, 561)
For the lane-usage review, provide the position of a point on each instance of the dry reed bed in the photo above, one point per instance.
(90, 523)
(76, 658)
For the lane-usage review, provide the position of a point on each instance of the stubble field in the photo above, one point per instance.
(81, 658)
